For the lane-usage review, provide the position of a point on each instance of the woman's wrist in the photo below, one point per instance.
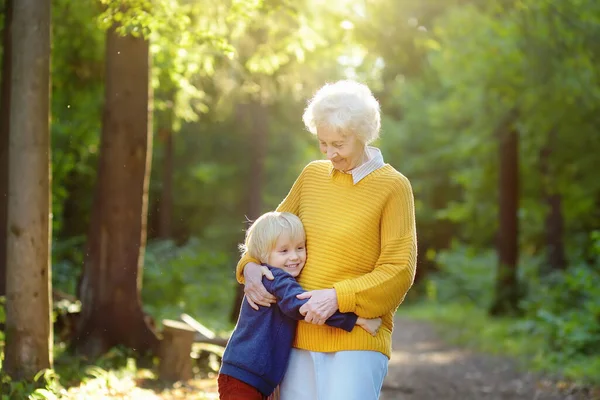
(335, 298)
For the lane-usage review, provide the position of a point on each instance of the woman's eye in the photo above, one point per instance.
(337, 145)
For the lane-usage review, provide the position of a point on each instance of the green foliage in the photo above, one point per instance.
(559, 330)
(446, 74)
(193, 279)
(465, 275)
(564, 309)
(44, 386)
(2, 321)
(471, 326)
(67, 263)
(104, 377)
(77, 90)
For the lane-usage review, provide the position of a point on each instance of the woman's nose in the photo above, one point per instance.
(331, 154)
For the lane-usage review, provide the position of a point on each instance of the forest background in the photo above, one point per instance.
(174, 122)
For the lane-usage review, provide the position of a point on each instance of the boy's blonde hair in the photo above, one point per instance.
(262, 235)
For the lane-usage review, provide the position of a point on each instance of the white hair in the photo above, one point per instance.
(347, 106)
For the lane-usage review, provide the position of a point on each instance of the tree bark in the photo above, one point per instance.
(28, 280)
(507, 291)
(4, 132)
(110, 288)
(253, 114)
(176, 346)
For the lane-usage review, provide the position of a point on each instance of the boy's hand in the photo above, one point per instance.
(369, 325)
(255, 291)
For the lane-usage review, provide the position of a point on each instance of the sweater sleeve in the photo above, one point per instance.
(290, 204)
(286, 288)
(384, 288)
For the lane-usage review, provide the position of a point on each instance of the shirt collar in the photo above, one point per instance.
(374, 162)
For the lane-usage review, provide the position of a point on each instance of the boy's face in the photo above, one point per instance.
(288, 254)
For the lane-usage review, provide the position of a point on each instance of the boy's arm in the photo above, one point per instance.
(345, 321)
(285, 288)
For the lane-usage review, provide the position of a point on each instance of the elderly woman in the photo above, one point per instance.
(358, 213)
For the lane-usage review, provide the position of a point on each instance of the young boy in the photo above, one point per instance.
(257, 354)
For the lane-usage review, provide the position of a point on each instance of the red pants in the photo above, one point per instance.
(234, 389)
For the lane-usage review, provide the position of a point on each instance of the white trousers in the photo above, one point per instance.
(343, 375)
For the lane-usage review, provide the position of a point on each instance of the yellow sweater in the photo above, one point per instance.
(361, 240)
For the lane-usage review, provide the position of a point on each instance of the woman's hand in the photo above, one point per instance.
(255, 291)
(321, 305)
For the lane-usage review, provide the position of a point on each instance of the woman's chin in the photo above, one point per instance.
(340, 166)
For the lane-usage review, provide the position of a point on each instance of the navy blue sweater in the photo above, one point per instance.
(259, 348)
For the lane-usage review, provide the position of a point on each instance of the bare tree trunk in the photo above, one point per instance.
(507, 291)
(110, 288)
(254, 115)
(28, 281)
(554, 222)
(4, 132)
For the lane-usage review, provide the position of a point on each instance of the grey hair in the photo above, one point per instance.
(347, 106)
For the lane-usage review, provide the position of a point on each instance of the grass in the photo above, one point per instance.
(470, 326)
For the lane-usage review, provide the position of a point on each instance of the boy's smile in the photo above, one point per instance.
(288, 254)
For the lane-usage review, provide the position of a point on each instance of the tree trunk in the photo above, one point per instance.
(554, 222)
(28, 279)
(4, 132)
(176, 346)
(110, 288)
(507, 291)
(255, 115)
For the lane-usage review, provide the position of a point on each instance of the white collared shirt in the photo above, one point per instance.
(374, 162)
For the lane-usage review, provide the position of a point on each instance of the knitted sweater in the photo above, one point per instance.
(361, 240)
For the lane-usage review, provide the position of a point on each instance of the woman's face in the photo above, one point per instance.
(344, 152)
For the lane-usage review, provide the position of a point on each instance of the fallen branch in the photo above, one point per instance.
(203, 334)
(216, 341)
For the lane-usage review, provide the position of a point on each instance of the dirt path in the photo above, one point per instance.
(423, 367)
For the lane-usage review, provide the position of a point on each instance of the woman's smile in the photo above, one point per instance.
(344, 152)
